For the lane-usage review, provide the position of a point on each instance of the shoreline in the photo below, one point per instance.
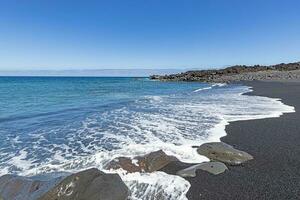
(225, 122)
(272, 174)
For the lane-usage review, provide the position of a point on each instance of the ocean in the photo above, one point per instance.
(53, 125)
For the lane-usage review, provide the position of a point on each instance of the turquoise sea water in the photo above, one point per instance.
(51, 124)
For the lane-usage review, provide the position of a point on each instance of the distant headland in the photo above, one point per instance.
(283, 71)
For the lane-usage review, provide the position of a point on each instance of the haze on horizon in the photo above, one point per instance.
(169, 34)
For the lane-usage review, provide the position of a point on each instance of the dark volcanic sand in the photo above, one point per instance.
(275, 144)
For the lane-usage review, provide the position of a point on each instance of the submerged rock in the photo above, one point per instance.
(89, 184)
(151, 162)
(211, 167)
(156, 160)
(124, 163)
(23, 188)
(222, 152)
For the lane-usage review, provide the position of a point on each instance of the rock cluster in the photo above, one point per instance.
(238, 73)
(97, 185)
(219, 154)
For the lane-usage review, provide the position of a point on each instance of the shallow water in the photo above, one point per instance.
(52, 124)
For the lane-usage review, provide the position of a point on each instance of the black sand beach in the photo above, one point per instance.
(275, 144)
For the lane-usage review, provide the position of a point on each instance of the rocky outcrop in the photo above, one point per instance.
(14, 187)
(97, 185)
(151, 162)
(219, 151)
(89, 184)
(211, 167)
(237, 73)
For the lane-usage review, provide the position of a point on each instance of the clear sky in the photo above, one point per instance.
(57, 34)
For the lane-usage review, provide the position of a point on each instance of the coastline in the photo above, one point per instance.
(283, 71)
(268, 176)
(274, 143)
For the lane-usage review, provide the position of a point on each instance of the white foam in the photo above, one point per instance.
(201, 89)
(21, 161)
(211, 87)
(273, 106)
(219, 84)
(154, 98)
(156, 185)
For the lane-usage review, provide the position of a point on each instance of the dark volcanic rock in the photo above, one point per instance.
(237, 73)
(149, 163)
(156, 160)
(23, 188)
(222, 152)
(89, 184)
(125, 163)
(211, 167)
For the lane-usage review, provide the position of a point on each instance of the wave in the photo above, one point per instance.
(211, 87)
(205, 88)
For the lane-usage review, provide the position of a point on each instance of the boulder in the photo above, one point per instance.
(23, 188)
(222, 152)
(211, 167)
(156, 160)
(89, 184)
(151, 162)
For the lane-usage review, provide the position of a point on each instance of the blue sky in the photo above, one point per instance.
(59, 35)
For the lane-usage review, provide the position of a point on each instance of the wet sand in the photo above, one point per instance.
(275, 144)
